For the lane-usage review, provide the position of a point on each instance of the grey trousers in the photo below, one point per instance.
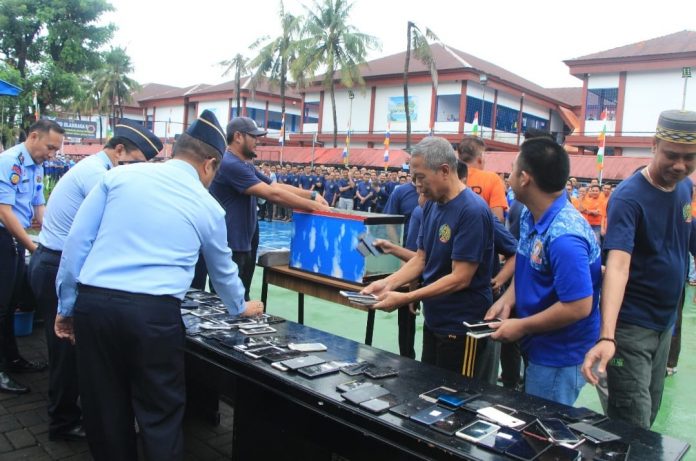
(636, 374)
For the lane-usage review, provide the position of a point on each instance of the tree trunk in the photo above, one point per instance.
(237, 89)
(333, 110)
(406, 108)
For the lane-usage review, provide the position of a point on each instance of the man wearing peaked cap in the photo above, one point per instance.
(237, 186)
(131, 143)
(124, 270)
(649, 227)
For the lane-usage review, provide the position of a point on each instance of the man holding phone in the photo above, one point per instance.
(556, 303)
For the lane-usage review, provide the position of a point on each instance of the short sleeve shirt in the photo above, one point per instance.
(558, 259)
(489, 186)
(654, 227)
(459, 230)
(233, 178)
(21, 183)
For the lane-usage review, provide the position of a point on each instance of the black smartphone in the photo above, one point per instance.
(406, 410)
(527, 449)
(321, 369)
(380, 404)
(282, 355)
(434, 394)
(352, 385)
(454, 422)
(431, 414)
(560, 453)
(364, 394)
(380, 372)
(558, 431)
(356, 368)
(612, 451)
(502, 440)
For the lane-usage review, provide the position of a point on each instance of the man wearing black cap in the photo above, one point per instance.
(124, 270)
(648, 231)
(238, 184)
(131, 143)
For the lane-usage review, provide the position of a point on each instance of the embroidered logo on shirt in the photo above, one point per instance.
(39, 179)
(686, 212)
(445, 233)
(536, 252)
(17, 169)
(14, 179)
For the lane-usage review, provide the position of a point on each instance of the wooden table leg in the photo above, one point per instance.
(300, 308)
(370, 327)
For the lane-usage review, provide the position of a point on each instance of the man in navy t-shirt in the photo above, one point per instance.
(236, 186)
(555, 292)
(346, 191)
(454, 257)
(647, 239)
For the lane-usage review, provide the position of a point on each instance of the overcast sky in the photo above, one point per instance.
(180, 43)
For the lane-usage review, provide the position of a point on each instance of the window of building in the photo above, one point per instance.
(599, 99)
(447, 108)
(532, 121)
(148, 122)
(473, 105)
(506, 119)
(311, 112)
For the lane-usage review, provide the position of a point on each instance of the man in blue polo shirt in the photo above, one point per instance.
(236, 186)
(346, 191)
(648, 231)
(455, 257)
(555, 291)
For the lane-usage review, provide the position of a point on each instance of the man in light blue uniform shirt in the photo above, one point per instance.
(131, 143)
(124, 270)
(21, 200)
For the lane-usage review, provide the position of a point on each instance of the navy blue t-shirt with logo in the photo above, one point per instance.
(232, 179)
(459, 230)
(654, 227)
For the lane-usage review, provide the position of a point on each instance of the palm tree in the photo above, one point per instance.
(113, 83)
(239, 64)
(331, 44)
(421, 50)
(277, 55)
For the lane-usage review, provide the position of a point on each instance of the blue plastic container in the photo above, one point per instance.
(23, 323)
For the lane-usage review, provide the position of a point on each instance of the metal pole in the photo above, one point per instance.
(314, 140)
(686, 80)
(351, 95)
(483, 107)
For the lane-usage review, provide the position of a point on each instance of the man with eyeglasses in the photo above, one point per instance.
(131, 143)
(237, 185)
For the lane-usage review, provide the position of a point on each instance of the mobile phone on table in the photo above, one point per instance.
(477, 430)
(558, 431)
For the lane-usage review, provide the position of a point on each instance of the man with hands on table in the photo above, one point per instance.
(555, 291)
(455, 256)
(126, 265)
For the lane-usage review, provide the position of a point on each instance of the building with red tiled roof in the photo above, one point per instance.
(506, 104)
(633, 83)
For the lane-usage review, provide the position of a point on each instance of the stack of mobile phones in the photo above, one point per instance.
(356, 297)
(480, 328)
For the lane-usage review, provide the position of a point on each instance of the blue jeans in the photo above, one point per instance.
(561, 385)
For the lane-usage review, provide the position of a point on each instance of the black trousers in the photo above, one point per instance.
(470, 357)
(130, 360)
(63, 390)
(12, 269)
(407, 332)
(246, 263)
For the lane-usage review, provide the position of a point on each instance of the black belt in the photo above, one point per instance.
(128, 295)
(48, 250)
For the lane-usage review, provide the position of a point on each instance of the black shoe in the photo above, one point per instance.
(21, 365)
(75, 434)
(10, 386)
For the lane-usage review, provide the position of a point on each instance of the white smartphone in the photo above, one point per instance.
(257, 331)
(477, 430)
(307, 347)
(500, 417)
